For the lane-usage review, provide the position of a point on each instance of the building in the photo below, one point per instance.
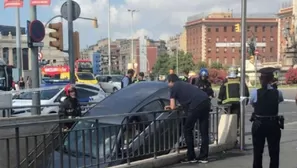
(173, 43)
(183, 41)
(212, 38)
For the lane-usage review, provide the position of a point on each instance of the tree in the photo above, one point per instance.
(216, 65)
(200, 65)
(161, 66)
(185, 61)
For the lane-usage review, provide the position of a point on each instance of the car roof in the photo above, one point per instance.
(126, 99)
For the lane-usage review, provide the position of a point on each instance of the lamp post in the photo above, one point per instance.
(108, 32)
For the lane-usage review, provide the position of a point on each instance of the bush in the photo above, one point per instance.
(291, 76)
(217, 76)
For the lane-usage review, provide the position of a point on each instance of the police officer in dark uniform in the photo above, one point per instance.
(267, 124)
(140, 78)
(127, 80)
(196, 105)
(203, 83)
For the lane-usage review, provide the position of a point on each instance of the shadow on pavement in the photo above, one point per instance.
(229, 154)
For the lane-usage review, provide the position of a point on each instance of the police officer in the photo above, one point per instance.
(127, 80)
(140, 78)
(266, 122)
(203, 83)
(196, 105)
(229, 93)
(275, 80)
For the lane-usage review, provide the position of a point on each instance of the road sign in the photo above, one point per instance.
(40, 56)
(36, 31)
(75, 10)
(256, 52)
(39, 44)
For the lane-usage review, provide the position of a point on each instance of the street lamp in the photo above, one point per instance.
(108, 33)
(132, 11)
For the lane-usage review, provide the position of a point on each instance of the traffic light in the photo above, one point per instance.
(95, 23)
(252, 59)
(76, 45)
(58, 35)
(237, 27)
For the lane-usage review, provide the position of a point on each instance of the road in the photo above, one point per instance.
(238, 159)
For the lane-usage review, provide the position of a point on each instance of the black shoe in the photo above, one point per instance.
(189, 161)
(204, 161)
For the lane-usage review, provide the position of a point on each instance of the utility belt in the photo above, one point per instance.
(279, 118)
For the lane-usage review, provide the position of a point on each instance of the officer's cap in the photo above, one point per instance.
(267, 71)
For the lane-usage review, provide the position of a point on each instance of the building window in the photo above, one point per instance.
(271, 29)
(263, 29)
(209, 29)
(225, 29)
(25, 59)
(264, 39)
(209, 61)
(14, 53)
(239, 50)
(217, 50)
(256, 28)
(256, 38)
(233, 28)
(225, 60)
(6, 55)
(233, 50)
(217, 29)
(218, 39)
(233, 38)
(248, 28)
(271, 49)
(225, 50)
(208, 40)
(209, 50)
(225, 39)
(233, 61)
(271, 38)
(218, 59)
(263, 49)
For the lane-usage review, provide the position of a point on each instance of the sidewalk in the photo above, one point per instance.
(238, 159)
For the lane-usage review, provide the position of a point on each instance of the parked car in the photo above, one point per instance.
(110, 83)
(54, 96)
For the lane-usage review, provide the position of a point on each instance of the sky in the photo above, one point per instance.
(157, 19)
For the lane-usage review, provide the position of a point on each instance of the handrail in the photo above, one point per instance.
(85, 118)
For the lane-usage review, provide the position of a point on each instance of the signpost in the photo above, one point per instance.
(35, 33)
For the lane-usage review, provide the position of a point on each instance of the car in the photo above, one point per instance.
(110, 83)
(53, 94)
(136, 98)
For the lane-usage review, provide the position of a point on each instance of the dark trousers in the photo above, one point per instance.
(200, 113)
(269, 130)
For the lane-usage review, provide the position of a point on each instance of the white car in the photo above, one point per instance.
(110, 83)
(54, 96)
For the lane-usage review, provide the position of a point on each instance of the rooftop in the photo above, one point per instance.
(6, 29)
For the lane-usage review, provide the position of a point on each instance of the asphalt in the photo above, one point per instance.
(238, 159)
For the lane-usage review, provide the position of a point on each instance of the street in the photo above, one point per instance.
(238, 159)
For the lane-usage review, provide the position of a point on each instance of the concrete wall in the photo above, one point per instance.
(8, 135)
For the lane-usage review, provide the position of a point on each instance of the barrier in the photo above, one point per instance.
(96, 140)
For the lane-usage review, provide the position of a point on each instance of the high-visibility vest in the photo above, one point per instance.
(232, 91)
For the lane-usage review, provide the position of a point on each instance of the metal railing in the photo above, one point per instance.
(97, 141)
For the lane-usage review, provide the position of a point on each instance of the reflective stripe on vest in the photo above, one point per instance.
(229, 98)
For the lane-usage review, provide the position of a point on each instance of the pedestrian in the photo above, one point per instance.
(70, 107)
(140, 78)
(196, 105)
(127, 80)
(28, 82)
(21, 83)
(267, 124)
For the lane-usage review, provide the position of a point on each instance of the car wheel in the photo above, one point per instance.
(114, 89)
(52, 112)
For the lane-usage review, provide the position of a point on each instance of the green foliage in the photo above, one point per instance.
(162, 65)
(216, 65)
(200, 65)
(185, 62)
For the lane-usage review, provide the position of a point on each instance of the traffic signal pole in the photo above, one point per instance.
(35, 70)
(242, 73)
(70, 42)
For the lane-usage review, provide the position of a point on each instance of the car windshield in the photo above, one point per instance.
(84, 65)
(117, 78)
(85, 76)
(44, 94)
(83, 137)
